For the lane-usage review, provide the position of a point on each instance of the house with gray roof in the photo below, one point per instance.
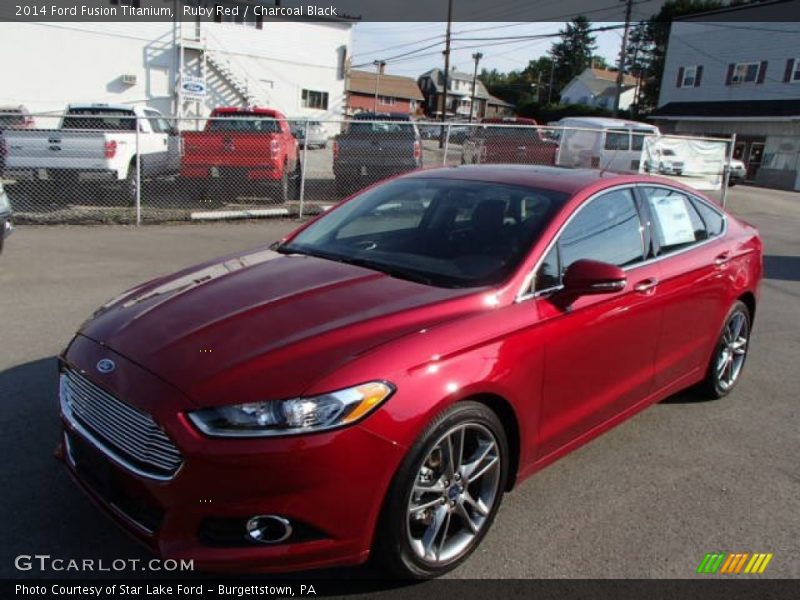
(459, 96)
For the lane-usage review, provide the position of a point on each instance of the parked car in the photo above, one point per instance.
(376, 381)
(15, 117)
(6, 217)
(429, 131)
(317, 134)
(664, 162)
(95, 143)
(240, 147)
(600, 142)
(373, 147)
(738, 172)
(508, 140)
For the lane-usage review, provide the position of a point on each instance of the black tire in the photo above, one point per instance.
(294, 182)
(130, 184)
(393, 547)
(342, 188)
(281, 191)
(718, 384)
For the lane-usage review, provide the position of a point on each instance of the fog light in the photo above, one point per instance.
(269, 529)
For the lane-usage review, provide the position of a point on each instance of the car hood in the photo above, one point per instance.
(264, 325)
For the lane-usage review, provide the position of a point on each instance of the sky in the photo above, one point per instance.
(378, 41)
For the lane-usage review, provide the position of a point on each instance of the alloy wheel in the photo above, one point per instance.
(453, 493)
(732, 350)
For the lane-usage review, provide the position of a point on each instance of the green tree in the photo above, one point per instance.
(573, 52)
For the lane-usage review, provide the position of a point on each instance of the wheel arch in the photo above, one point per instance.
(749, 300)
(508, 417)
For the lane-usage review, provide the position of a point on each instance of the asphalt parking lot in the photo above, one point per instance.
(646, 500)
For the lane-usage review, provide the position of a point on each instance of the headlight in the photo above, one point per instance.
(295, 416)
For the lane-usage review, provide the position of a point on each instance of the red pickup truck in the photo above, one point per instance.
(242, 151)
(509, 140)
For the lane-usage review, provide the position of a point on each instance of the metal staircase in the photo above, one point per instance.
(232, 72)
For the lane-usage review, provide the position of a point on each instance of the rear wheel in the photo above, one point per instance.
(446, 494)
(730, 353)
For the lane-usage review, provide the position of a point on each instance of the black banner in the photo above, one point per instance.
(307, 587)
(597, 11)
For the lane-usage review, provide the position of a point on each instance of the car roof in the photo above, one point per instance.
(253, 110)
(102, 105)
(558, 179)
(605, 122)
(379, 116)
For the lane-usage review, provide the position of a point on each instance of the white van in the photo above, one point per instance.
(602, 143)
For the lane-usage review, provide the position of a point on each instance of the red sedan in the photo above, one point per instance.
(376, 381)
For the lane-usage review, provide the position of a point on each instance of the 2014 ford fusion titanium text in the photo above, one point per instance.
(375, 382)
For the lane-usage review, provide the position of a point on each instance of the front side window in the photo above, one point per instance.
(440, 232)
(607, 229)
(676, 222)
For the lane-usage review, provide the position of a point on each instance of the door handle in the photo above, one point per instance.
(646, 285)
(723, 259)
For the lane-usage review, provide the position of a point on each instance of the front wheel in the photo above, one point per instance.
(730, 353)
(446, 493)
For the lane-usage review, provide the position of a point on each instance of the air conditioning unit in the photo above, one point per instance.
(129, 79)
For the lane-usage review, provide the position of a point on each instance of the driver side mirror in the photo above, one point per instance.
(587, 277)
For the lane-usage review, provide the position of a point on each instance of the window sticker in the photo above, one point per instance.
(673, 216)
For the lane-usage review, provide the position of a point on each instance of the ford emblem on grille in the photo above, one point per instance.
(106, 365)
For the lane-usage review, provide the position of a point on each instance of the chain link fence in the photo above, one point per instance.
(114, 168)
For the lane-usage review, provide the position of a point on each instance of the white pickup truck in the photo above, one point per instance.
(95, 143)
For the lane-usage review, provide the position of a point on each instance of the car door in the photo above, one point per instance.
(600, 351)
(694, 262)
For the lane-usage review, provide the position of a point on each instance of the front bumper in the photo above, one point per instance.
(329, 485)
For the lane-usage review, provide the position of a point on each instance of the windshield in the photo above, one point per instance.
(105, 119)
(243, 122)
(441, 232)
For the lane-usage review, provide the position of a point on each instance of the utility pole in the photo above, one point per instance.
(446, 67)
(622, 53)
(380, 64)
(476, 57)
(550, 85)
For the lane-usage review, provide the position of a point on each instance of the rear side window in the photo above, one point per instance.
(617, 140)
(607, 229)
(677, 223)
(713, 219)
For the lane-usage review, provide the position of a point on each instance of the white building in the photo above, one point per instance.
(598, 87)
(297, 67)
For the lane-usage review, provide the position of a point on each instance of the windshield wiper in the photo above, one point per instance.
(391, 270)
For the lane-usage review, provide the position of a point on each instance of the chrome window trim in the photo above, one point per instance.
(523, 296)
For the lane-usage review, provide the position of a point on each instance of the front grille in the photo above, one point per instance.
(125, 434)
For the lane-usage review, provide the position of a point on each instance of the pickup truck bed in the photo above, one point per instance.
(373, 150)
